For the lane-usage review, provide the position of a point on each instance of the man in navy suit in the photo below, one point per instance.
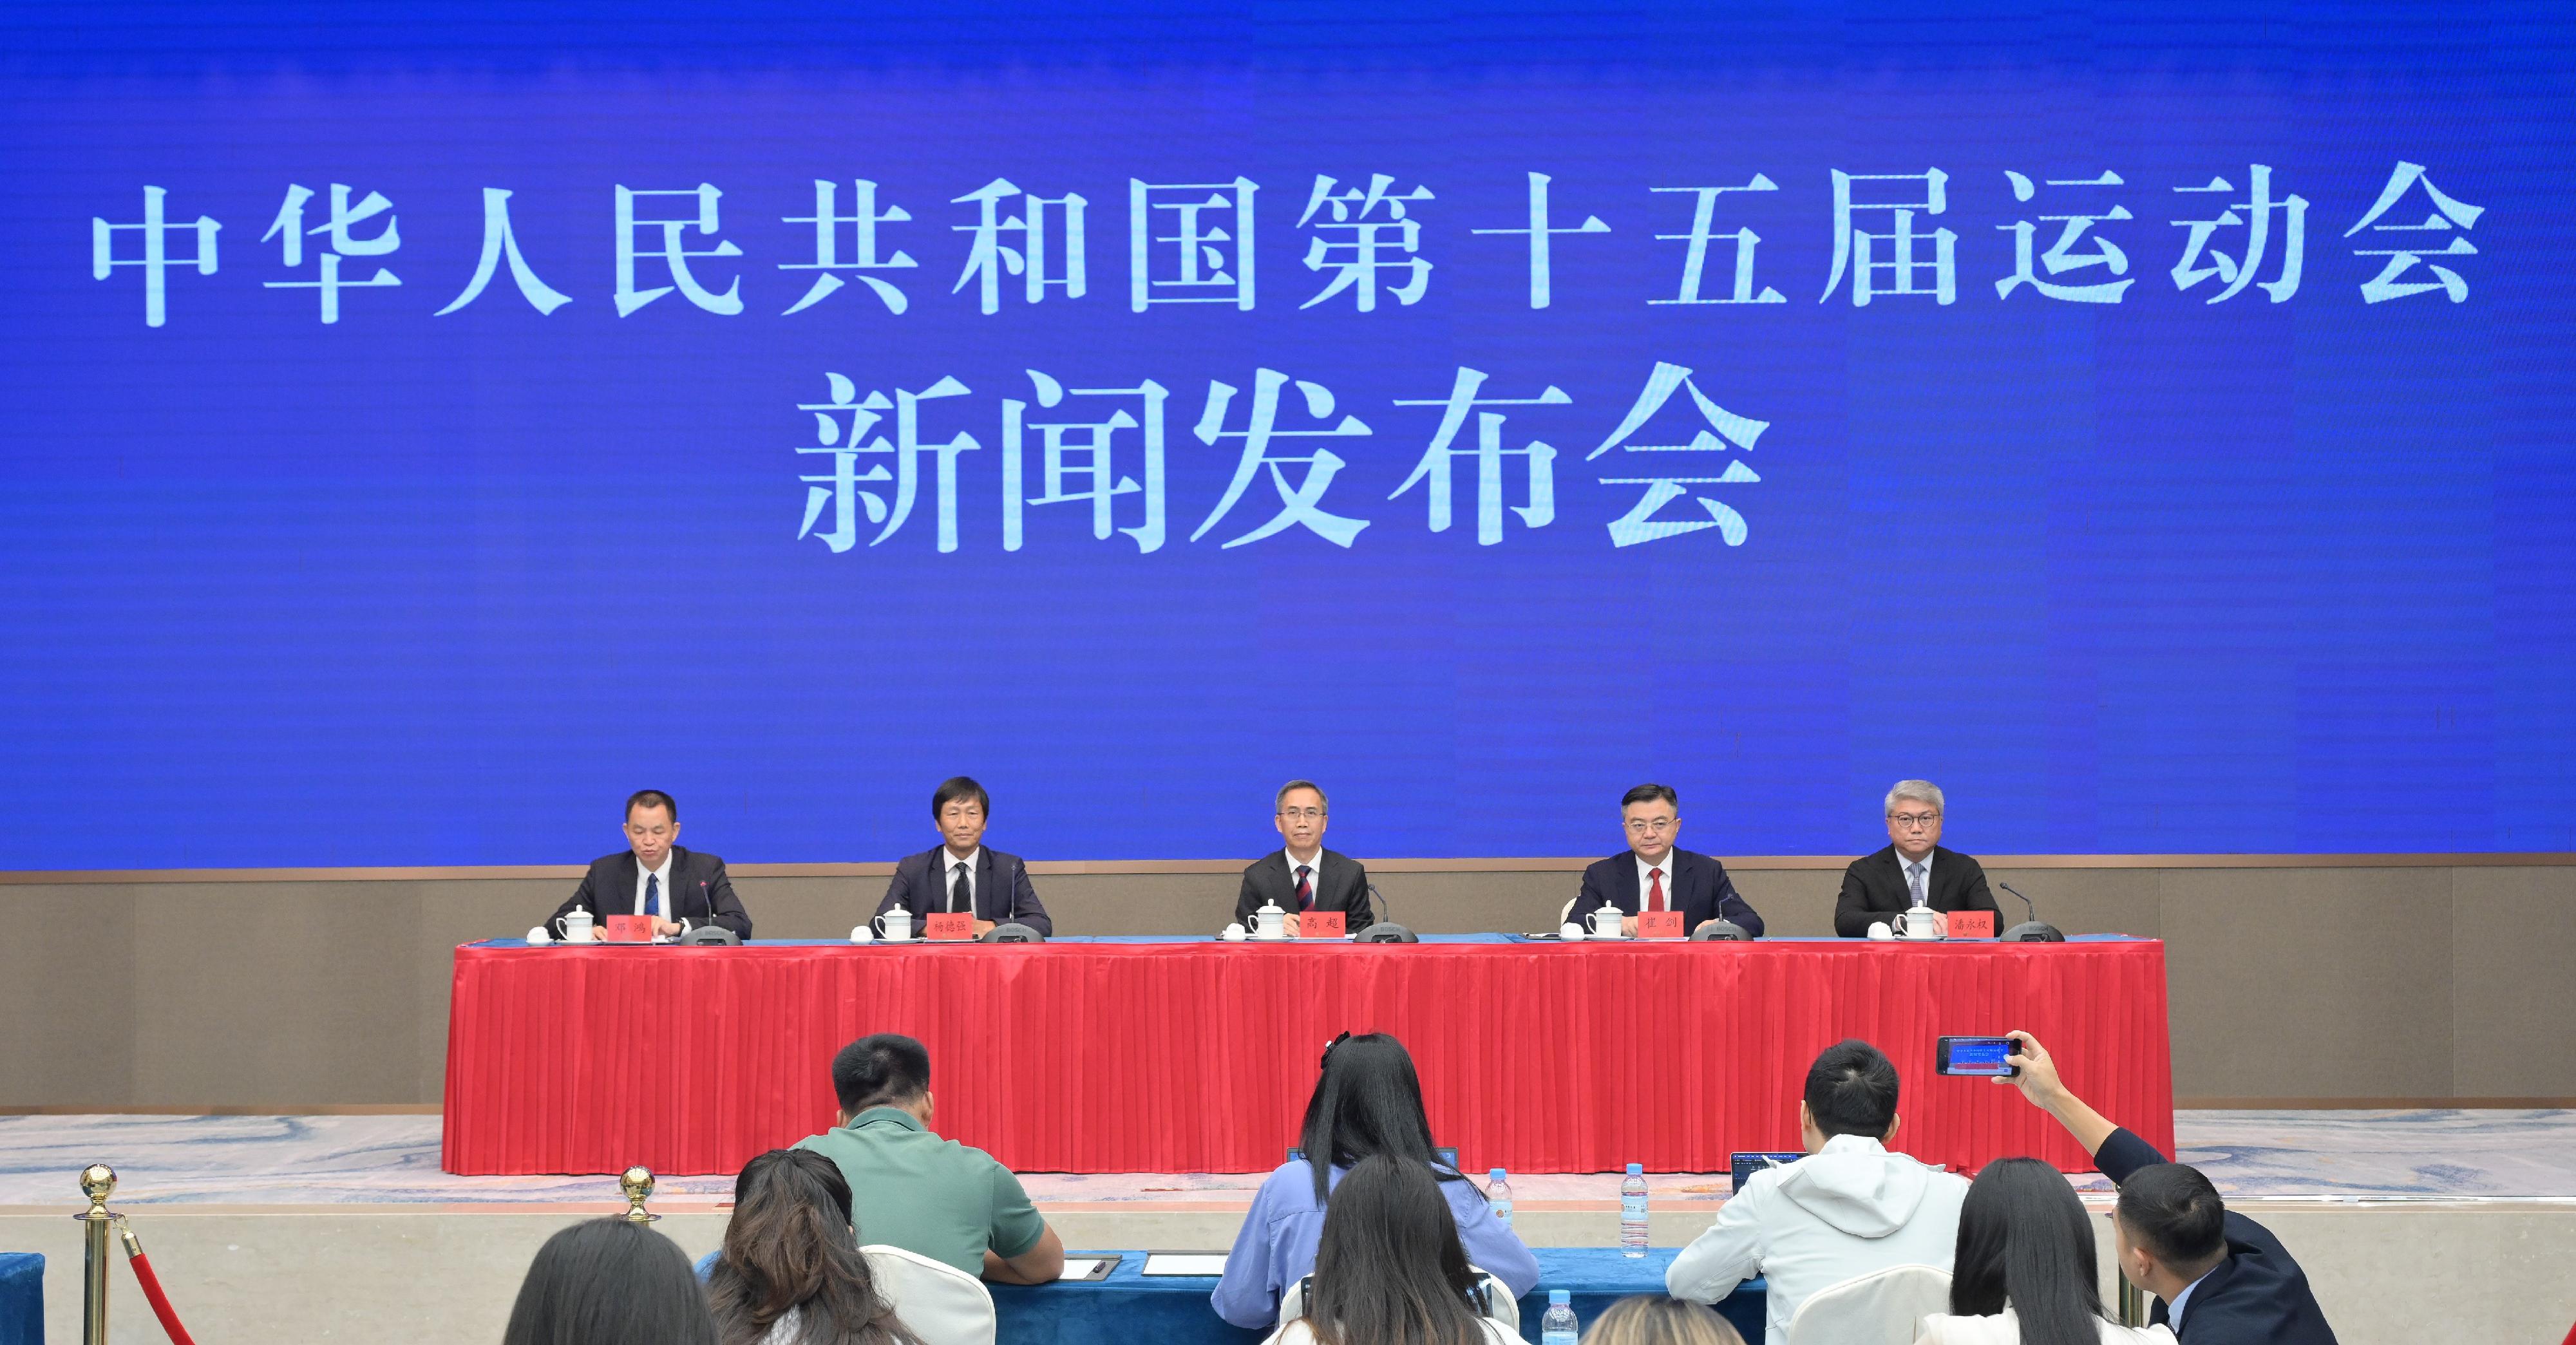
(960, 874)
(2219, 1278)
(1650, 875)
(656, 876)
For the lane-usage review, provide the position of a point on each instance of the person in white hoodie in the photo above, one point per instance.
(1848, 1208)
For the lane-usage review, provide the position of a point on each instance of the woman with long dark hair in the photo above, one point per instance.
(610, 1282)
(1389, 1269)
(791, 1272)
(2025, 1272)
(1367, 1103)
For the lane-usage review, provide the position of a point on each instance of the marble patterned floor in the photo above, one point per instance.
(335, 1160)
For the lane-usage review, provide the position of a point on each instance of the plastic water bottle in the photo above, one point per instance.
(1498, 1193)
(1558, 1326)
(1632, 1212)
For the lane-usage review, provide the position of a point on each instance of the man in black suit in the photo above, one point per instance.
(1304, 876)
(1650, 875)
(960, 874)
(1913, 869)
(654, 876)
(2219, 1278)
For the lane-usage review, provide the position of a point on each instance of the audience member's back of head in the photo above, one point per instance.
(610, 1282)
(1368, 1100)
(791, 1246)
(1389, 1269)
(1652, 1319)
(887, 1069)
(1851, 1090)
(2175, 1214)
(2024, 1240)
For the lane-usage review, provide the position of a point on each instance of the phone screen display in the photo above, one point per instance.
(1979, 1056)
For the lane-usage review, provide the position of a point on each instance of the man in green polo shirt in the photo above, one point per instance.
(914, 1190)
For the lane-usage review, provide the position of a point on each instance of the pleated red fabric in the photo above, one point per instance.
(1197, 1057)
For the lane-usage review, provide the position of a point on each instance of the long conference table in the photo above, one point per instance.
(1193, 1055)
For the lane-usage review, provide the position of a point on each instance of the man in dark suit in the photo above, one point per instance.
(1304, 876)
(960, 874)
(1650, 875)
(1912, 870)
(654, 876)
(2219, 1278)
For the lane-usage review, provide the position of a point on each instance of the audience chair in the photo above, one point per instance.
(942, 1304)
(1879, 1308)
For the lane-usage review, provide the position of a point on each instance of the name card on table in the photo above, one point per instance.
(627, 929)
(950, 926)
(1972, 924)
(1322, 924)
(1659, 924)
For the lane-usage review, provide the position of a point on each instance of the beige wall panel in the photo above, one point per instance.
(246, 994)
(66, 983)
(2291, 983)
(2513, 957)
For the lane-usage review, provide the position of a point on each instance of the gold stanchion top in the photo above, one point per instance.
(98, 1182)
(637, 1183)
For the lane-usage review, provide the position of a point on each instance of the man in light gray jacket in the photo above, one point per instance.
(1850, 1207)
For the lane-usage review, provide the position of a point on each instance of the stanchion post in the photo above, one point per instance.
(637, 1183)
(98, 1182)
(2133, 1304)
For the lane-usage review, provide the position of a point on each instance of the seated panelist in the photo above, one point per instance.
(959, 874)
(1650, 875)
(1913, 869)
(1304, 876)
(656, 876)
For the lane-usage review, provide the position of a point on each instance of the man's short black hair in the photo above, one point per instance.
(652, 798)
(1649, 794)
(1851, 1090)
(958, 787)
(884, 1070)
(2175, 1213)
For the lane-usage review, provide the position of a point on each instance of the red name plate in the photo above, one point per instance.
(1972, 924)
(948, 925)
(628, 929)
(1321, 924)
(1659, 924)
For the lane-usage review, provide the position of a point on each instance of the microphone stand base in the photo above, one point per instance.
(2033, 931)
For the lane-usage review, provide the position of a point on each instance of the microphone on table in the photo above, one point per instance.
(2031, 930)
(1384, 930)
(1009, 929)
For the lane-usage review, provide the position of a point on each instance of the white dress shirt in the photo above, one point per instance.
(948, 862)
(663, 873)
(1645, 881)
(1905, 870)
(1314, 874)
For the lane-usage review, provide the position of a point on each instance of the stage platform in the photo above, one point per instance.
(2415, 1225)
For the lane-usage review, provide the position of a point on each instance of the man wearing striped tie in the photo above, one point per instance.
(1304, 876)
(1653, 875)
(658, 877)
(1914, 870)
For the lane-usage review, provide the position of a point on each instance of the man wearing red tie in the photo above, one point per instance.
(1651, 875)
(1304, 876)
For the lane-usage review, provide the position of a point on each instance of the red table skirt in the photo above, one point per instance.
(1198, 1057)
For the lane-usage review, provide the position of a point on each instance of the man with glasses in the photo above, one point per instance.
(1653, 876)
(1304, 876)
(1914, 869)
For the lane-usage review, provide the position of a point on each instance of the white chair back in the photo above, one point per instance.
(1496, 1301)
(1879, 1308)
(942, 1304)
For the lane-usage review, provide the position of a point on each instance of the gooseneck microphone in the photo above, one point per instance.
(1384, 930)
(2032, 930)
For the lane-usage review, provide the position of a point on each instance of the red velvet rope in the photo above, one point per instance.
(160, 1301)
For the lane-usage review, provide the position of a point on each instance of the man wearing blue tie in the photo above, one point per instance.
(655, 876)
(1304, 876)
